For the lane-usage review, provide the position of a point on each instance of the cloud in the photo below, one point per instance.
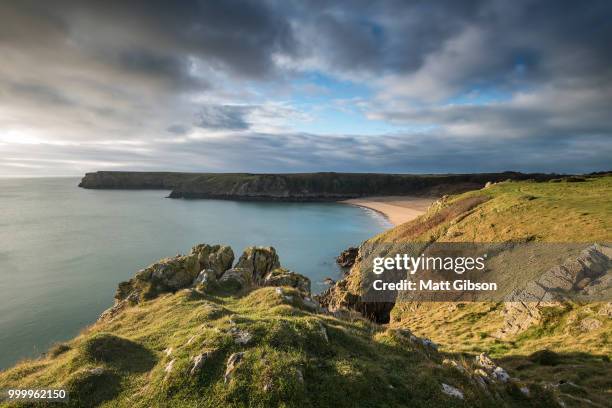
(231, 85)
(226, 117)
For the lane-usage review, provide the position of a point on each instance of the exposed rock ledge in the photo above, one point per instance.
(207, 268)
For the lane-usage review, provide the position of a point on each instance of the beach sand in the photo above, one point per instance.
(397, 209)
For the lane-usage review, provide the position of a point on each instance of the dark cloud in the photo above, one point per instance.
(202, 85)
(223, 117)
(173, 69)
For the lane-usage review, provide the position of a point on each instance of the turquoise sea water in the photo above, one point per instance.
(64, 249)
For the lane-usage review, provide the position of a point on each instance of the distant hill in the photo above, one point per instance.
(298, 186)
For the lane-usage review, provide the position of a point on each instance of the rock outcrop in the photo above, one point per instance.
(347, 258)
(219, 258)
(181, 271)
(260, 261)
(581, 275)
(285, 277)
(204, 269)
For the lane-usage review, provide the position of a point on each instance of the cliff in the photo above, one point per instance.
(527, 337)
(202, 329)
(134, 180)
(296, 187)
(199, 330)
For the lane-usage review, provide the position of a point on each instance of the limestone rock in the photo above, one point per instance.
(236, 278)
(299, 376)
(483, 360)
(452, 391)
(198, 362)
(219, 258)
(205, 279)
(110, 313)
(175, 273)
(585, 274)
(285, 277)
(589, 324)
(329, 281)
(347, 258)
(168, 368)
(232, 363)
(259, 260)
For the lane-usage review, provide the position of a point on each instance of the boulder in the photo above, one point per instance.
(428, 344)
(259, 261)
(218, 258)
(285, 277)
(236, 279)
(205, 279)
(175, 273)
(347, 258)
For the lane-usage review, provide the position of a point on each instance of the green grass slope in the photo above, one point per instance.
(144, 357)
(579, 334)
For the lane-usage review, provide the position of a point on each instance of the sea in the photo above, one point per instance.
(64, 249)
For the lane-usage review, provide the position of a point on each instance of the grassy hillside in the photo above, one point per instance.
(144, 357)
(213, 346)
(574, 211)
(548, 212)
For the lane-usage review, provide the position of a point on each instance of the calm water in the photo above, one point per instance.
(64, 249)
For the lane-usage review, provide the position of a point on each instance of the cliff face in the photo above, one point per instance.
(576, 334)
(296, 187)
(128, 180)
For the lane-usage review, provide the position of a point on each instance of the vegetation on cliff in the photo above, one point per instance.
(199, 330)
(570, 210)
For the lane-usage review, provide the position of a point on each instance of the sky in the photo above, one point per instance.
(297, 86)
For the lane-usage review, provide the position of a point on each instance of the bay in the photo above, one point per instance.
(63, 249)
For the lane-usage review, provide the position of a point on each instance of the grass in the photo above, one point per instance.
(560, 212)
(295, 359)
(143, 357)
(546, 212)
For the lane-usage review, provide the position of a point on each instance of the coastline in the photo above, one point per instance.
(396, 209)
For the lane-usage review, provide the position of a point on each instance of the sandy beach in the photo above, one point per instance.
(397, 209)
